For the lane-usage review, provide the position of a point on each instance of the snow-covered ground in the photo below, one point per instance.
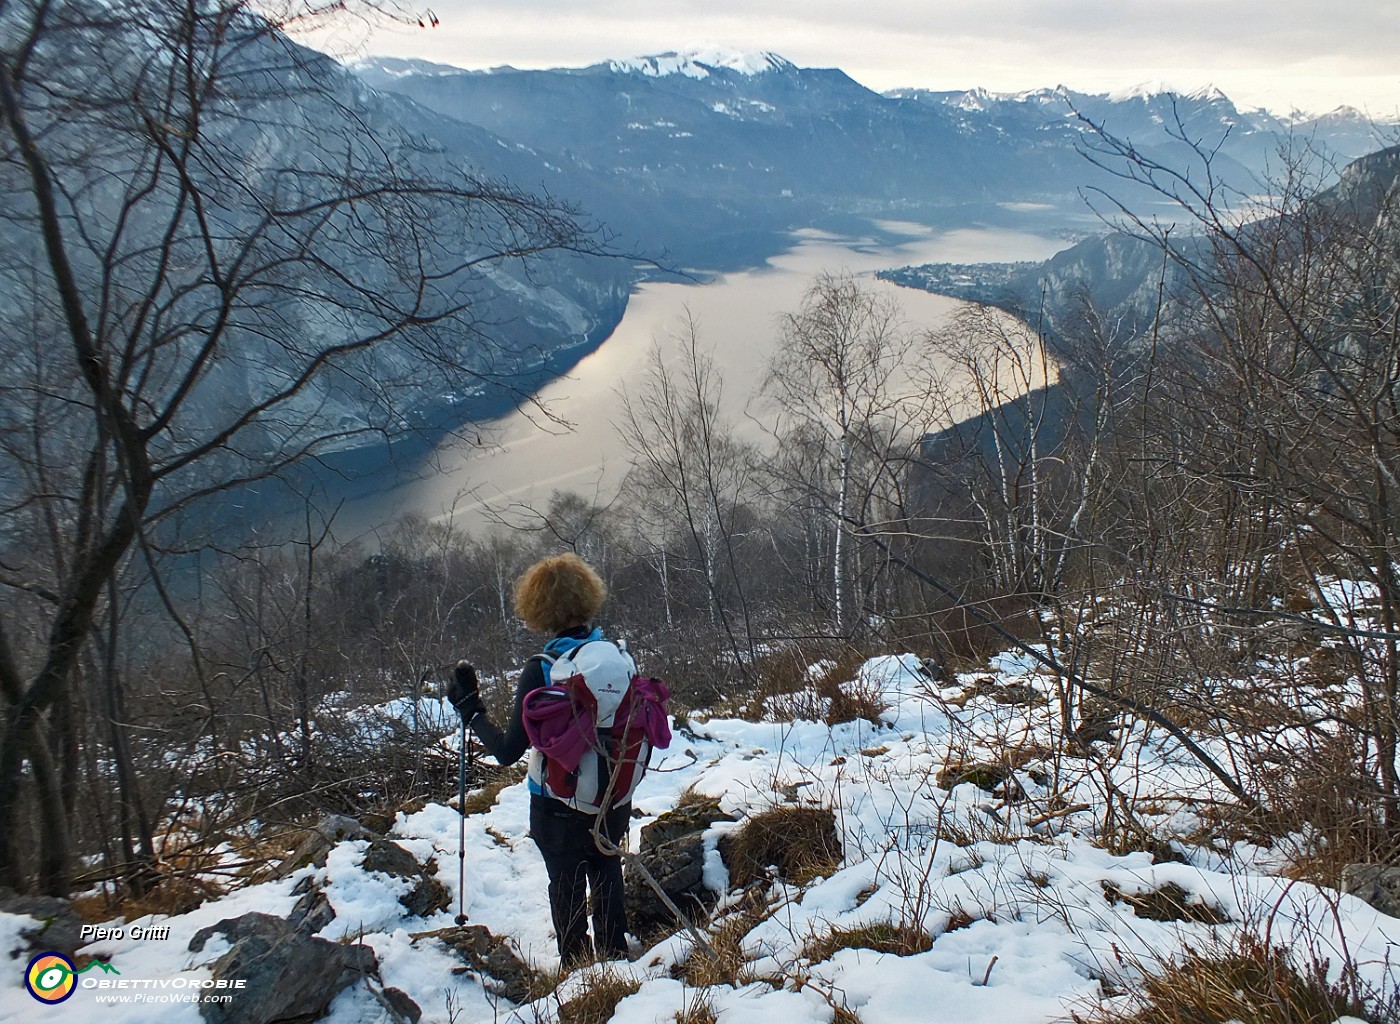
(1029, 873)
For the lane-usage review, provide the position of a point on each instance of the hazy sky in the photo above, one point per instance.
(1312, 54)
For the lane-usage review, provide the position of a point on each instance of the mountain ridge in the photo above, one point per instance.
(700, 61)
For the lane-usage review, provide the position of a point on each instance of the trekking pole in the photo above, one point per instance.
(462, 827)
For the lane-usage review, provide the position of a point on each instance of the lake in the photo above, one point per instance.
(527, 455)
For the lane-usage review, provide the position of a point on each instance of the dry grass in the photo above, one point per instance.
(169, 891)
(787, 690)
(1243, 981)
(543, 981)
(959, 918)
(170, 897)
(701, 969)
(800, 842)
(847, 698)
(896, 937)
(598, 997)
(479, 801)
(1169, 902)
(697, 1011)
(726, 967)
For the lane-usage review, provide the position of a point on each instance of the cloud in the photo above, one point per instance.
(1319, 53)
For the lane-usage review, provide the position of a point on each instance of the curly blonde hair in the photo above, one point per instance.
(558, 593)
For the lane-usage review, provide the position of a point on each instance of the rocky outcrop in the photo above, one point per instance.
(288, 975)
(1376, 884)
(673, 850)
(491, 958)
(425, 897)
(327, 833)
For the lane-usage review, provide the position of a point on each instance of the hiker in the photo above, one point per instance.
(561, 596)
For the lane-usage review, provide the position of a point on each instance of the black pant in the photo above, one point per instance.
(576, 866)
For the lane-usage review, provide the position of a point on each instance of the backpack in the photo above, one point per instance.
(594, 725)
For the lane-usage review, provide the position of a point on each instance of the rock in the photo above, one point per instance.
(986, 776)
(673, 850)
(1376, 884)
(427, 896)
(1017, 694)
(935, 671)
(403, 1005)
(312, 912)
(289, 975)
(56, 927)
(329, 831)
(490, 957)
(1020, 694)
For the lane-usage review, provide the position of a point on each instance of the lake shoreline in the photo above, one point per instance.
(736, 317)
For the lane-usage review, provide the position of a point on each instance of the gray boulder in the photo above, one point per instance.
(288, 974)
(427, 896)
(1376, 884)
(56, 927)
(673, 850)
(313, 911)
(330, 831)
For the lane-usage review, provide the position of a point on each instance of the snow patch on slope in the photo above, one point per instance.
(700, 61)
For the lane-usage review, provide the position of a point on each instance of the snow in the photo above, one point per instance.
(699, 61)
(1143, 91)
(1015, 901)
(396, 67)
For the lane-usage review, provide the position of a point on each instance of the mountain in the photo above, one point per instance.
(1124, 276)
(283, 128)
(1345, 130)
(1159, 121)
(698, 160)
(712, 156)
(704, 157)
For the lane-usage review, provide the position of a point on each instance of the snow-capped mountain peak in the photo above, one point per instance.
(1142, 91)
(700, 61)
(1147, 91)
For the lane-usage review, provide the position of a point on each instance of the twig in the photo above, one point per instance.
(988, 974)
(1041, 819)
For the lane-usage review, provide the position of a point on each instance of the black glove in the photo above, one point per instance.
(462, 692)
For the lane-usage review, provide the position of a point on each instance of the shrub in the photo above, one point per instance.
(850, 699)
(801, 842)
(1244, 981)
(788, 689)
(601, 991)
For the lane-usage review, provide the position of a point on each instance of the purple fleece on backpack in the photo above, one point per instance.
(565, 729)
(649, 710)
(558, 727)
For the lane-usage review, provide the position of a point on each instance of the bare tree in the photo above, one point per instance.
(690, 474)
(1258, 477)
(217, 266)
(854, 386)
